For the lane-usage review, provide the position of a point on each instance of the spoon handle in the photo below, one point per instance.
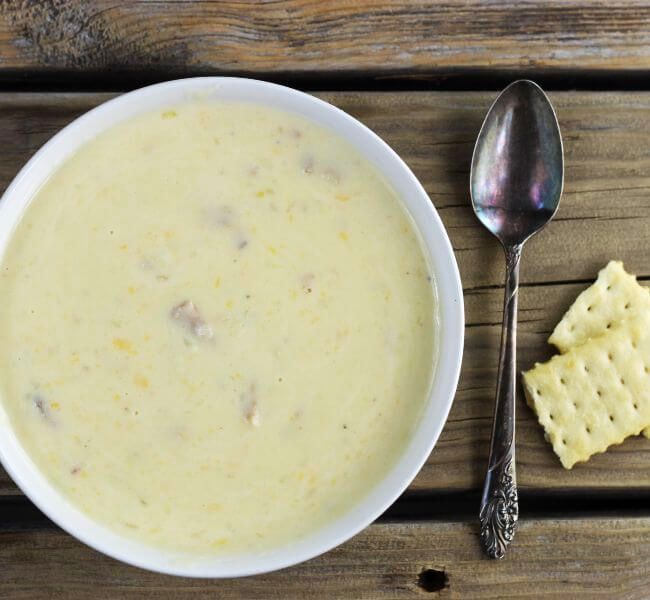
(500, 505)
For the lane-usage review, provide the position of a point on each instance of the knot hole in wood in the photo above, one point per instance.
(432, 580)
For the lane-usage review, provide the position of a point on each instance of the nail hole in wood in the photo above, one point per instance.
(432, 580)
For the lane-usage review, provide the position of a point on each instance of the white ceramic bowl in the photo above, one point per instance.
(441, 259)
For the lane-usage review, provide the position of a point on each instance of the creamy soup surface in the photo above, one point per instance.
(218, 328)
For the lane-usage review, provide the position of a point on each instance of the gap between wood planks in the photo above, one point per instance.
(17, 513)
(49, 80)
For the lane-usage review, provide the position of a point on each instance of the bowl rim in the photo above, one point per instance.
(439, 254)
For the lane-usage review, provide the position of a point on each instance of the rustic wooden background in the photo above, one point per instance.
(421, 74)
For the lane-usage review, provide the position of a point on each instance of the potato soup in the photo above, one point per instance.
(218, 328)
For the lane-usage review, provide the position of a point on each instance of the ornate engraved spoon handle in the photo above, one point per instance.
(500, 505)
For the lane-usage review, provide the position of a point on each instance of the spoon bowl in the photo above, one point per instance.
(517, 168)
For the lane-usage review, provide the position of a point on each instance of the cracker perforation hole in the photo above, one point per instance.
(611, 418)
(636, 406)
(627, 306)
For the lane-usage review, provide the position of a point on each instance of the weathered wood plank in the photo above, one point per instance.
(599, 558)
(605, 214)
(374, 37)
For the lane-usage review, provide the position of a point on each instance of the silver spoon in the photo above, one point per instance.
(516, 183)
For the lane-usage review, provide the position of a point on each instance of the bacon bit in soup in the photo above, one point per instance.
(250, 410)
(39, 402)
(43, 407)
(188, 315)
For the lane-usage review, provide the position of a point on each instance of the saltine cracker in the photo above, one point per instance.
(613, 297)
(595, 394)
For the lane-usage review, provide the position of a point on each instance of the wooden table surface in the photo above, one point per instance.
(422, 76)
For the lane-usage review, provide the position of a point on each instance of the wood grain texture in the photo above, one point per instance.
(604, 214)
(374, 37)
(550, 559)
